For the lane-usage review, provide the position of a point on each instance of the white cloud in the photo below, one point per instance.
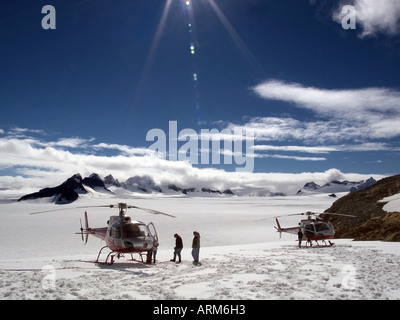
(23, 131)
(124, 149)
(298, 158)
(374, 17)
(274, 129)
(350, 113)
(303, 149)
(71, 142)
(339, 103)
(367, 146)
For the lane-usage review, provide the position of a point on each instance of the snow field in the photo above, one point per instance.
(262, 271)
(242, 256)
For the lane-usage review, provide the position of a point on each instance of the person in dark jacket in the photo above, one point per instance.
(178, 248)
(196, 247)
(300, 237)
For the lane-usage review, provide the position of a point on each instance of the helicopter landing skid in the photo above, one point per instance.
(110, 259)
(309, 244)
(110, 256)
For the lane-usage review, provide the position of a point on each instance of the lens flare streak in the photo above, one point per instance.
(153, 48)
(235, 37)
(192, 51)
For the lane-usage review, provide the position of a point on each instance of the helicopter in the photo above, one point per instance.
(123, 235)
(312, 229)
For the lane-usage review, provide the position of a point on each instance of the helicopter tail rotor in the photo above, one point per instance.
(278, 228)
(84, 231)
(81, 229)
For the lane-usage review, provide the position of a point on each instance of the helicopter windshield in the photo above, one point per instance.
(322, 227)
(133, 230)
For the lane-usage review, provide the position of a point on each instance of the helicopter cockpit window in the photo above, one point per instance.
(115, 231)
(309, 230)
(144, 230)
(321, 227)
(135, 230)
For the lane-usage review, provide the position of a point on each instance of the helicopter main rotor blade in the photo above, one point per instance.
(119, 205)
(316, 214)
(339, 214)
(309, 213)
(295, 214)
(63, 209)
(275, 217)
(152, 211)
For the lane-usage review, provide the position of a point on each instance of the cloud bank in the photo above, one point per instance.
(36, 163)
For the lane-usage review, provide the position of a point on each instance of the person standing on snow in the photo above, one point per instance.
(178, 247)
(154, 251)
(300, 237)
(196, 247)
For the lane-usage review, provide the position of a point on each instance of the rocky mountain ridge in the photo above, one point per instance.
(371, 222)
(66, 192)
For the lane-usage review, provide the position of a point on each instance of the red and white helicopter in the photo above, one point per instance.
(312, 229)
(123, 235)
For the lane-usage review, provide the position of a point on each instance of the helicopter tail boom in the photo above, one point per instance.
(291, 230)
(97, 232)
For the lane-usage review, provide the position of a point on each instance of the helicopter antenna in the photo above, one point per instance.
(122, 207)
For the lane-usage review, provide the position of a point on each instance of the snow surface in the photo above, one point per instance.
(393, 203)
(242, 256)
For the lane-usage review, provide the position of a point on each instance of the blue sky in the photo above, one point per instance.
(315, 95)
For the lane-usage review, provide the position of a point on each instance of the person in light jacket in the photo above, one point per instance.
(196, 247)
(154, 251)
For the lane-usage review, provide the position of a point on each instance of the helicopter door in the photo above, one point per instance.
(309, 230)
(115, 234)
(153, 231)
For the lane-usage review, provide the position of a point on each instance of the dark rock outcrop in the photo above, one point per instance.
(66, 192)
(371, 222)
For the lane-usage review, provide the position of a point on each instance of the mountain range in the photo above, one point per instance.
(70, 189)
(336, 186)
